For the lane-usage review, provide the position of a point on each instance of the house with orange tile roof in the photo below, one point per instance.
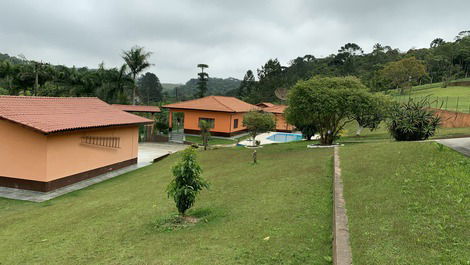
(225, 114)
(264, 104)
(137, 108)
(47, 143)
(278, 111)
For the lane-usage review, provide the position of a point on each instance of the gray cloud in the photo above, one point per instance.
(230, 36)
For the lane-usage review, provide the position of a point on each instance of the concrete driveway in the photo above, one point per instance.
(461, 145)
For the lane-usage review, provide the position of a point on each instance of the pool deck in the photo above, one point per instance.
(263, 138)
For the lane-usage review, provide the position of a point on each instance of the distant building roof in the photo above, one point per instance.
(265, 104)
(137, 108)
(276, 109)
(49, 115)
(214, 103)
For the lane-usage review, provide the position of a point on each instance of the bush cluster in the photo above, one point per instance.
(412, 121)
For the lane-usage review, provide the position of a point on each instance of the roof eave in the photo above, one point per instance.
(96, 127)
(227, 111)
(74, 129)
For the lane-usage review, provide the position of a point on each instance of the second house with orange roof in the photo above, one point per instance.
(225, 114)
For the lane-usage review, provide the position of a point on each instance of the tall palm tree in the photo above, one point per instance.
(137, 60)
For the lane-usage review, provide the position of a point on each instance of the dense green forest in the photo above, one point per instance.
(383, 69)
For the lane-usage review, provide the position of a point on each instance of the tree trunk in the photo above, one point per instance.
(359, 130)
(204, 141)
(255, 159)
(10, 86)
(326, 139)
(133, 92)
(36, 81)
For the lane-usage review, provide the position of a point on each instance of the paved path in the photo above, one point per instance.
(147, 153)
(461, 145)
(342, 254)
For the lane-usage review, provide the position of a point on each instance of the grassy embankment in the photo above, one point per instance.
(408, 203)
(454, 98)
(286, 197)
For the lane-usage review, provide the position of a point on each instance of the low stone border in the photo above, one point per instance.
(323, 146)
(341, 247)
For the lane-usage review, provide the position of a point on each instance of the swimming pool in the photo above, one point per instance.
(285, 137)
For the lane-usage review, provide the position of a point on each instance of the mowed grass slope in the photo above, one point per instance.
(408, 203)
(382, 133)
(286, 197)
(450, 98)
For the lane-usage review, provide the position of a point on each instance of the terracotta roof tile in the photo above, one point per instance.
(137, 108)
(48, 114)
(214, 103)
(276, 109)
(265, 104)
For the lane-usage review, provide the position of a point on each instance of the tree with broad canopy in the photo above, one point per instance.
(328, 103)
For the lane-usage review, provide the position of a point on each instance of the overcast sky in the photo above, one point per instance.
(230, 36)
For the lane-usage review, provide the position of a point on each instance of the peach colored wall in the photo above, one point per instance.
(223, 120)
(66, 155)
(27, 154)
(238, 116)
(281, 123)
(22, 152)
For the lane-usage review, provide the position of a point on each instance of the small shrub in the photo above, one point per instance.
(412, 121)
(3, 91)
(257, 122)
(187, 182)
(205, 127)
(162, 127)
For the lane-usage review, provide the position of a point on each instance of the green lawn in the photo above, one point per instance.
(408, 203)
(212, 140)
(286, 197)
(450, 98)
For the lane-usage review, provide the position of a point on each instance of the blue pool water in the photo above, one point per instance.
(285, 137)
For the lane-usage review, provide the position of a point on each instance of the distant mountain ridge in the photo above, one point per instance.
(170, 86)
(215, 86)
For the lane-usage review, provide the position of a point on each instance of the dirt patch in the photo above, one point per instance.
(452, 119)
(459, 83)
(190, 219)
(174, 223)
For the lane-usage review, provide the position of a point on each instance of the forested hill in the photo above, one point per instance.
(384, 68)
(114, 85)
(215, 86)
